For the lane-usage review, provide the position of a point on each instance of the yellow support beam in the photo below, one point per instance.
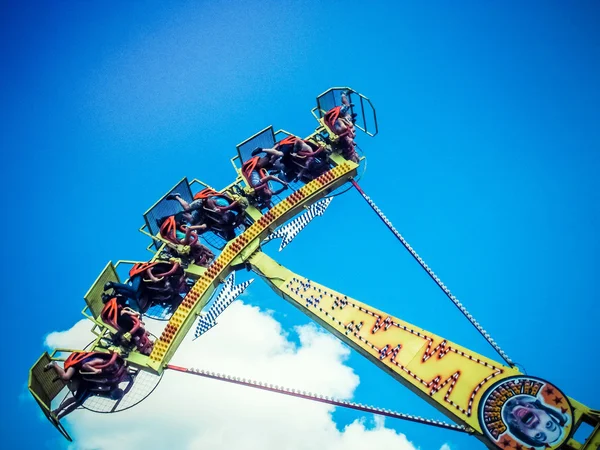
(236, 252)
(471, 389)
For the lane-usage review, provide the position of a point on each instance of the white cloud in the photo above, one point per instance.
(445, 447)
(78, 336)
(188, 412)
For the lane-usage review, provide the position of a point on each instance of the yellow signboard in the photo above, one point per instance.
(441, 371)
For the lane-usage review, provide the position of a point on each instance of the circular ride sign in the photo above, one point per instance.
(525, 413)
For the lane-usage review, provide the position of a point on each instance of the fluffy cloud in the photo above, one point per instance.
(187, 412)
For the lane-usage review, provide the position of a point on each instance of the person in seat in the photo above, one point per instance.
(308, 157)
(346, 107)
(194, 213)
(174, 230)
(255, 171)
(296, 158)
(118, 315)
(227, 211)
(341, 123)
(86, 374)
(151, 282)
(215, 209)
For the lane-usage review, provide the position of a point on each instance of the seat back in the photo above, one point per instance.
(366, 118)
(163, 208)
(44, 388)
(93, 297)
(264, 139)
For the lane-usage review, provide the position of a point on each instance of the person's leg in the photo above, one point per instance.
(188, 236)
(279, 191)
(122, 289)
(66, 407)
(228, 218)
(348, 142)
(157, 287)
(136, 282)
(175, 196)
(64, 375)
(350, 154)
(272, 152)
(345, 100)
(161, 298)
(339, 128)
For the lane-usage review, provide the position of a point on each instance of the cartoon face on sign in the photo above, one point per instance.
(533, 422)
(524, 412)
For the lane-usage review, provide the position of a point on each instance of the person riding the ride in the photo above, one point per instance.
(118, 315)
(151, 282)
(341, 123)
(255, 171)
(87, 374)
(296, 158)
(174, 230)
(215, 209)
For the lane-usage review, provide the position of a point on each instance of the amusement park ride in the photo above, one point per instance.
(282, 183)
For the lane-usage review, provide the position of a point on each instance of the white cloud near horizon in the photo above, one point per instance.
(188, 412)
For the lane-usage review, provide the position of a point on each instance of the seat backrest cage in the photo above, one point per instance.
(164, 208)
(93, 297)
(44, 389)
(213, 237)
(265, 138)
(95, 304)
(45, 386)
(363, 107)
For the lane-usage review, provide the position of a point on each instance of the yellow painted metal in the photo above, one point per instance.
(44, 388)
(94, 306)
(93, 297)
(161, 198)
(245, 141)
(42, 384)
(450, 377)
(322, 112)
(235, 252)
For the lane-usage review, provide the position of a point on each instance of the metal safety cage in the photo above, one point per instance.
(214, 239)
(93, 297)
(282, 134)
(264, 139)
(45, 386)
(164, 208)
(366, 117)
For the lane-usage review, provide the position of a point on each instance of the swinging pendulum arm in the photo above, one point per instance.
(452, 378)
(444, 374)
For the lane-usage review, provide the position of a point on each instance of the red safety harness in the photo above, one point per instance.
(250, 166)
(331, 116)
(76, 358)
(168, 230)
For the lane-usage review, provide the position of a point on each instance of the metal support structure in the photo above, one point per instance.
(318, 398)
(433, 276)
(469, 388)
(478, 393)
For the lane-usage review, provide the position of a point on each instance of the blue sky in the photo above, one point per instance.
(487, 161)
